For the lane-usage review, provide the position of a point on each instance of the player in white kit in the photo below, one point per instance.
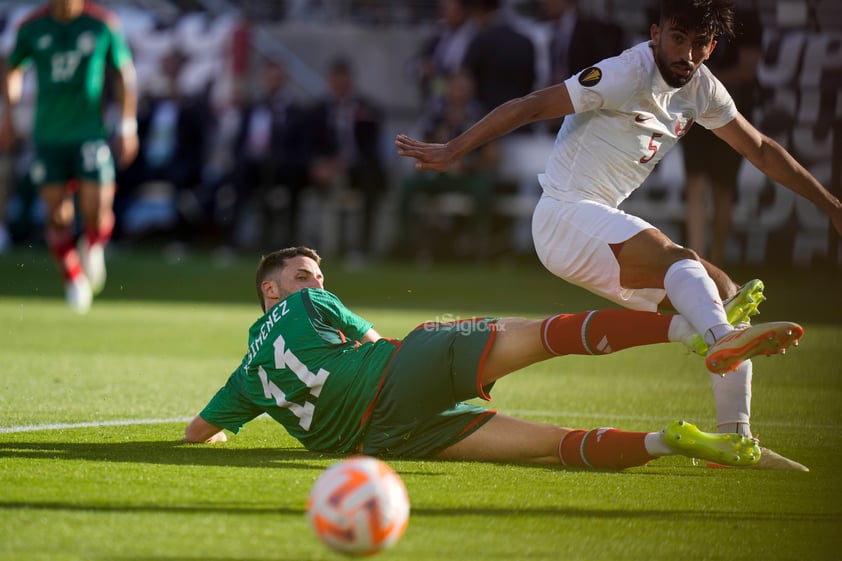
(620, 118)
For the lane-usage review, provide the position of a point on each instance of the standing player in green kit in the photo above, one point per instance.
(71, 44)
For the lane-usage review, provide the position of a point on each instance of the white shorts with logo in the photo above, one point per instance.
(572, 240)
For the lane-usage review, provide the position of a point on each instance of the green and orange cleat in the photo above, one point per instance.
(742, 344)
(727, 449)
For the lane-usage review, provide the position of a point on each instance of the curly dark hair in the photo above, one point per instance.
(275, 262)
(712, 18)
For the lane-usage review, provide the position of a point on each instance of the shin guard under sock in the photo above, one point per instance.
(601, 332)
(604, 448)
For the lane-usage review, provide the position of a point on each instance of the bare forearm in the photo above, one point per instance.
(782, 168)
(549, 103)
(126, 92)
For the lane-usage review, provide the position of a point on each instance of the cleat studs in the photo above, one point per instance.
(783, 351)
(789, 332)
(795, 343)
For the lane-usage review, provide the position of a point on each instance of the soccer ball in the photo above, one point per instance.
(358, 506)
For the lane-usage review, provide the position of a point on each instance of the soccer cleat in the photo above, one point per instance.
(92, 257)
(742, 344)
(739, 308)
(725, 449)
(78, 294)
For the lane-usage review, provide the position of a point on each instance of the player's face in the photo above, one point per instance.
(300, 272)
(67, 9)
(679, 52)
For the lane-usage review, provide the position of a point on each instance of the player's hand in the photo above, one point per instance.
(126, 148)
(432, 157)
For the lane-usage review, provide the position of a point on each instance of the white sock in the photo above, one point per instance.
(655, 446)
(680, 330)
(732, 394)
(692, 291)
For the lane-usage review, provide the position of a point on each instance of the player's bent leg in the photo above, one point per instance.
(521, 342)
(739, 308)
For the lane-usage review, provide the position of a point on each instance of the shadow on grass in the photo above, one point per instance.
(163, 452)
(687, 515)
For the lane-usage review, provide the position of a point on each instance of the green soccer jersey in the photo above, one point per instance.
(307, 370)
(70, 60)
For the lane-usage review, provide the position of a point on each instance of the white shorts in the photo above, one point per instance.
(572, 240)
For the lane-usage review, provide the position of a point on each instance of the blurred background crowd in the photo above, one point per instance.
(265, 123)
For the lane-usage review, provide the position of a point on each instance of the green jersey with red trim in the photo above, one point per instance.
(306, 368)
(70, 61)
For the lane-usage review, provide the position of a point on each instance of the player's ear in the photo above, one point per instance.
(270, 291)
(654, 34)
(712, 47)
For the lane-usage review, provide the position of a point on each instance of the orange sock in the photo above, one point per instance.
(601, 332)
(603, 448)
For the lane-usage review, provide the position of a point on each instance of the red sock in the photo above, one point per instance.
(102, 233)
(601, 332)
(603, 449)
(62, 246)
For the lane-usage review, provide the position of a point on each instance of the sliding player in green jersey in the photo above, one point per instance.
(71, 45)
(337, 386)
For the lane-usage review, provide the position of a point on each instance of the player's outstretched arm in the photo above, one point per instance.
(780, 166)
(201, 431)
(548, 103)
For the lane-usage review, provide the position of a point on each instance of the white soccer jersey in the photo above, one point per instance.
(626, 118)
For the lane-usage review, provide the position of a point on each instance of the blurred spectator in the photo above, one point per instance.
(576, 41)
(500, 58)
(442, 53)
(502, 61)
(271, 156)
(475, 176)
(708, 161)
(346, 129)
(172, 128)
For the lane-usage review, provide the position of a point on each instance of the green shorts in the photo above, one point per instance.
(87, 161)
(419, 409)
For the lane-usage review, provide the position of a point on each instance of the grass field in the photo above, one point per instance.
(92, 409)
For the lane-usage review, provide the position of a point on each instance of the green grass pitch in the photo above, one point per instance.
(92, 409)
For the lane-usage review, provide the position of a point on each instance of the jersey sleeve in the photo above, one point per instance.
(606, 85)
(334, 313)
(721, 108)
(229, 408)
(119, 53)
(21, 50)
